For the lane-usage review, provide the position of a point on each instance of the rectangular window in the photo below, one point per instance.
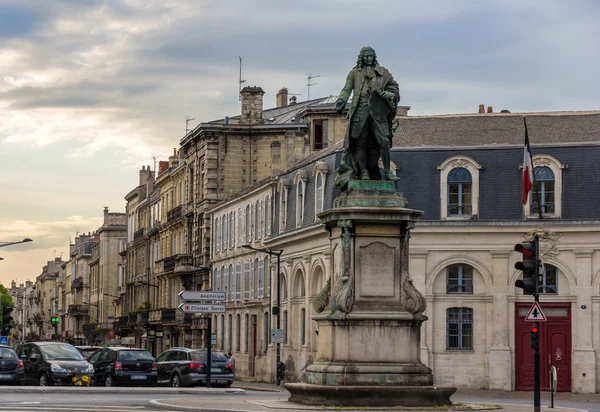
(303, 326)
(238, 280)
(240, 227)
(268, 275)
(225, 232)
(238, 343)
(321, 131)
(225, 284)
(231, 230)
(267, 334)
(222, 333)
(269, 218)
(549, 284)
(459, 199)
(217, 282)
(459, 329)
(459, 279)
(253, 274)
(247, 334)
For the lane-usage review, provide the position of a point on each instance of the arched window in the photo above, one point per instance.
(247, 329)
(319, 193)
(459, 192)
(299, 202)
(230, 333)
(459, 329)
(544, 185)
(459, 187)
(459, 279)
(238, 343)
(548, 183)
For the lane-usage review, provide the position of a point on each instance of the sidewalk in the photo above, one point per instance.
(273, 405)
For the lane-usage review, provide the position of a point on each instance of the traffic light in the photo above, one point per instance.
(528, 266)
(535, 343)
(55, 320)
(6, 320)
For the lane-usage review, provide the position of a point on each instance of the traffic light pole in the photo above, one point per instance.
(536, 354)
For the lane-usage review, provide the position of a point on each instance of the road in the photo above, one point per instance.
(103, 402)
(31, 401)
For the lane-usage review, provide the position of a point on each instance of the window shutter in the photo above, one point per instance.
(232, 229)
(252, 275)
(217, 283)
(268, 275)
(246, 280)
(261, 279)
(268, 216)
(225, 283)
(260, 218)
(225, 232)
(239, 219)
(218, 247)
(244, 224)
(234, 285)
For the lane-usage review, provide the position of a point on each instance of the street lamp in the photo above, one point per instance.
(276, 310)
(3, 244)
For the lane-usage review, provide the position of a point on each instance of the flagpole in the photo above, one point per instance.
(537, 190)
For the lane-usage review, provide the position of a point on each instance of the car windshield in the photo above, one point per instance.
(200, 356)
(135, 355)
(61, 352)
(7, 354)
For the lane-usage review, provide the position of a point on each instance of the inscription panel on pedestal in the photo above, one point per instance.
(376, 270)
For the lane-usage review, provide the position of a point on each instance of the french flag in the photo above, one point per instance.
(527, 168)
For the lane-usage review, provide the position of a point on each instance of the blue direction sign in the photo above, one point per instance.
(3, 340)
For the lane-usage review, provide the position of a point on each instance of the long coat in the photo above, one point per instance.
(354, 83)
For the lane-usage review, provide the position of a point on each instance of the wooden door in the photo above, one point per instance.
(555, 347)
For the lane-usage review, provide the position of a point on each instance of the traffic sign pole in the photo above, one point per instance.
(536, 354)
(208, 350)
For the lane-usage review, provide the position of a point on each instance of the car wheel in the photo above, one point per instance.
(175, 381)
(108, 381)
(43, 381)
(228, 384)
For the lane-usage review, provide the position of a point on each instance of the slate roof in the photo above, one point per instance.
(498, 129)
(280, 115)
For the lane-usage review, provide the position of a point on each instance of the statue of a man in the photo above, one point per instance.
(375, 95)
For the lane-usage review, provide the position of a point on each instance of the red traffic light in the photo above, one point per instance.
(534, 329)
(527, 249)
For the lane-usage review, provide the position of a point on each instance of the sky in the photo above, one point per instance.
(91, 90)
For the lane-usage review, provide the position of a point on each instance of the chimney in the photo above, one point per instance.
(163, 165)
(282, 97)
(28, 283)
(144, 176)
(481, 108)
(252, 105)
(490, 110)
(292, 100)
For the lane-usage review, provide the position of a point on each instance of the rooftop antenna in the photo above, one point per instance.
(240, 81)
(310, 77)
(154, 157)
(187, 121)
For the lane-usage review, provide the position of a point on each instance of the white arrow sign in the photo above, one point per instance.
(199, 308)
(535, 314)
(192, 295)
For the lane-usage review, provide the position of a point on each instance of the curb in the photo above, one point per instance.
(159, 405)
(113, 390)
(258, 389)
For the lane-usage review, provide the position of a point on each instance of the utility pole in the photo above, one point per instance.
(536, 354)
(310, 77)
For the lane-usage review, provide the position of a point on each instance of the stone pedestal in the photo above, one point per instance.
(370, 313)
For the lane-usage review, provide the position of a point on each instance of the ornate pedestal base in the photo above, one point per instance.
(308, 394)
(370, 313)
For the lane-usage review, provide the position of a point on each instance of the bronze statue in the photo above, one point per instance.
(375, 95)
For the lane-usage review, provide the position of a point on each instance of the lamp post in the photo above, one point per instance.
(3, 244)
(276, 310)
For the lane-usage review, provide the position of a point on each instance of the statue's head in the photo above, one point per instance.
(367, 57)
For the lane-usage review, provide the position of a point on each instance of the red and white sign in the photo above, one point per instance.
(535, 314)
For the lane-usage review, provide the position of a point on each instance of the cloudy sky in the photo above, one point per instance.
(90, 90)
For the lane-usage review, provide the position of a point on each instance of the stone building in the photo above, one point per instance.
(47, 294)
(464, 172)
(104, 276)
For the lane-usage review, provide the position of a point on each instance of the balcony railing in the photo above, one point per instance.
(77, 283)
(168, 315)
(142, 317)
(175, 214)
(122, 247)
(169, 264)
(132, 318)
(154, 228)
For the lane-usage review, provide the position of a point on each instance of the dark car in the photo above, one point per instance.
(87, 351)
(54, 363)
(187, 367)
(12, 371)
(124, 366)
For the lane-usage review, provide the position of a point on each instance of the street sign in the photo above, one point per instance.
(3, 340)
(535, 314)
(277, 335)
(193, 295)
(213, 338)
(201, 308)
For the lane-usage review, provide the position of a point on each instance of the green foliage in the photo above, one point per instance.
(6, 298)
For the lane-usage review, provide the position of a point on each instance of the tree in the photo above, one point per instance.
(5, 298)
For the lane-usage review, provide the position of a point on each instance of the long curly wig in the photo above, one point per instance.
(363, 51)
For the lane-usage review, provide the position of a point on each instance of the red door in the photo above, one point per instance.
(555, 347)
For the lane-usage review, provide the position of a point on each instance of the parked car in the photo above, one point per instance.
(87, 351)
(187, 367)
(12, 371)
(124, 366)
(54, 363)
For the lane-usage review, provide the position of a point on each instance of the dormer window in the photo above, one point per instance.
(319, 174)
(300, 182)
